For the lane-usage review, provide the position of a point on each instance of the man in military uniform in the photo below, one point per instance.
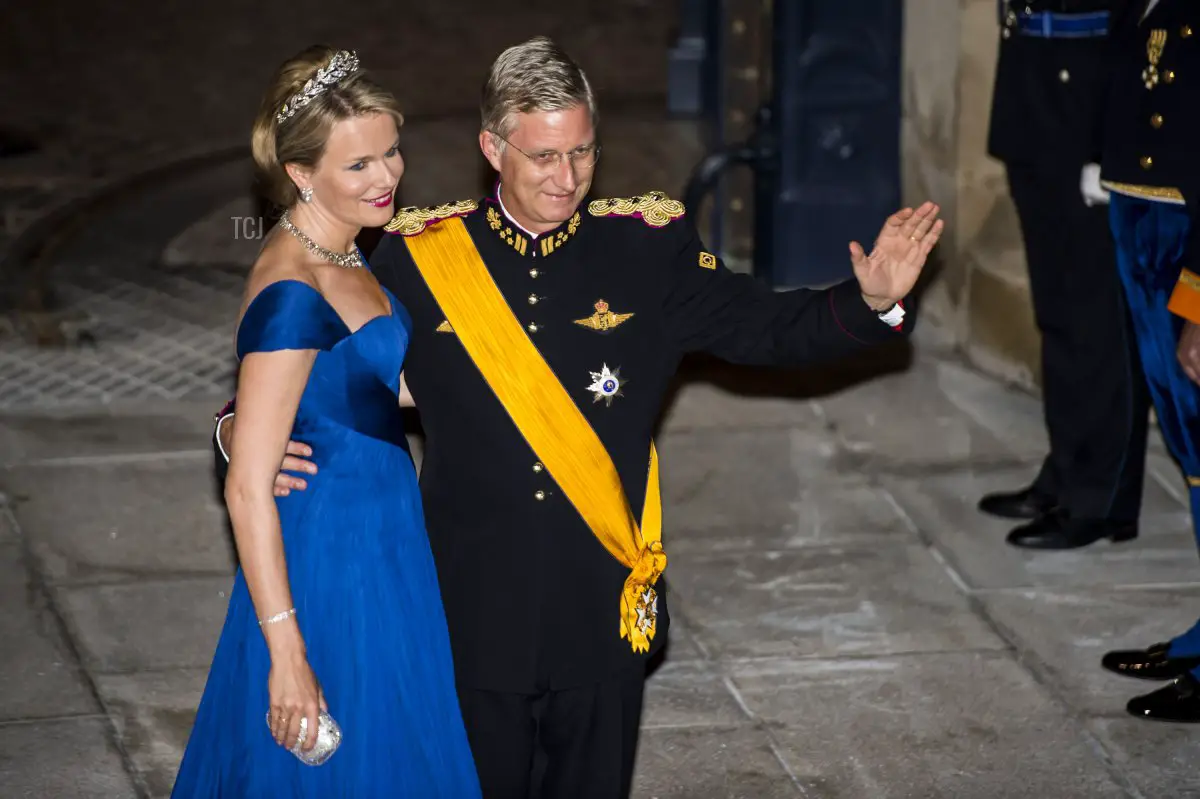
(1048, 84)
(546, 328)
(1150, 164)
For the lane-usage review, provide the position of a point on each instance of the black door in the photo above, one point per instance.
(835, 125)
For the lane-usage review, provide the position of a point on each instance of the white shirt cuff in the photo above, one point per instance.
(893, 317)
(220, 422)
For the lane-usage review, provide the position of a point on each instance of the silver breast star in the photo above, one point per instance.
(606, 384)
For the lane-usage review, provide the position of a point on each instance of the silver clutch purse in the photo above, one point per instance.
(329, 738)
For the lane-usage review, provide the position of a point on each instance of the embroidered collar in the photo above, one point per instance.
(522, 240)
(508, 217)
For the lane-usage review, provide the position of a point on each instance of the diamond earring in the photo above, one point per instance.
(306, 194)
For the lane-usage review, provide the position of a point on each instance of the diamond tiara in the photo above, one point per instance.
(343, 63)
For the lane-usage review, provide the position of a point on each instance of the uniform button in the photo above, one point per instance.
(1169, 76)
(532, 327)
(1186, 31)
(1156, 120)
(1146, 162)
(533, 299)
(533, 273)
(1006, 33)
(539, 495)
(1064, 76)
(538, 467)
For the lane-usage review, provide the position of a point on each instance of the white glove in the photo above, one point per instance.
(1089, 186)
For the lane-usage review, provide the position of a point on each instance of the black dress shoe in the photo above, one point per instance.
(1178, 701)
(1056, 530)
(1023, 504)
(1148, 664)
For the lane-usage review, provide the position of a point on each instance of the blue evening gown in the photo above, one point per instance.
(364, 584)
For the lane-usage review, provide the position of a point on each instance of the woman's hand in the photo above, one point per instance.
(295, 695)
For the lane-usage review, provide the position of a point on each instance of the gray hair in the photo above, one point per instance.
(533, 76)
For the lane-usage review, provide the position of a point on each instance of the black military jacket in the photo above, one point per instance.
(532, 597)
(1046, 90)
(1150, 121)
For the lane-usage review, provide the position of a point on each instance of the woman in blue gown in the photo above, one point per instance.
(336, 602)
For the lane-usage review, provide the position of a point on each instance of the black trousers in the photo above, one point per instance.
(577, 743)
(1095, 398)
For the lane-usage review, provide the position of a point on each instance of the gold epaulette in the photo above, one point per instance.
(412, 220)
(654, 208)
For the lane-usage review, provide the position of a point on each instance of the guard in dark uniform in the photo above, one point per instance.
(1047, 88)
(1151, 166)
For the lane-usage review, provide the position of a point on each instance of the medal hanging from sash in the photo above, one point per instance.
(547, 418)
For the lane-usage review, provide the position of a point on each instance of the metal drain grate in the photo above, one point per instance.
(167, 336)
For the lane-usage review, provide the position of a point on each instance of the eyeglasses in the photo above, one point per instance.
(584, 157)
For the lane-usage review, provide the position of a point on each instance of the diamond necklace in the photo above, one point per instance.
(346, 260)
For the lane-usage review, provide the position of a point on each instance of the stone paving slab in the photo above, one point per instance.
(778, 488)
(41, 676)
(718, 482)
(682, 645)
(712, 398)
(63, 758)
(685, 694)
(1065, 634)
(8, 526)
(1165, 472)
(149, 625)
(149, 518)
(828, 601)
(109, 434)
(958, 726)
(1160, 759)
(1012, 416)
(932, 431)
(943, 508)
(153, 713)
(824, 513)
(709, 764)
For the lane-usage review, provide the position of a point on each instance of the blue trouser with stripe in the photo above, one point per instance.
(1151, 238)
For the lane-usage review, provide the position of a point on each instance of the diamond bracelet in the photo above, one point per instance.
(277, 617)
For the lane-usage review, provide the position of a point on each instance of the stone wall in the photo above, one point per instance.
(979, 289)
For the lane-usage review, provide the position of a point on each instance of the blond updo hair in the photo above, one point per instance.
(301, 138)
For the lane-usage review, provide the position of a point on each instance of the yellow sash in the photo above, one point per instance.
(547, 417)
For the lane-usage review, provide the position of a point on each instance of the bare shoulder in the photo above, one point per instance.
(276, 264)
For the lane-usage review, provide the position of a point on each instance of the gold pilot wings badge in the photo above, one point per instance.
(603, 319)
